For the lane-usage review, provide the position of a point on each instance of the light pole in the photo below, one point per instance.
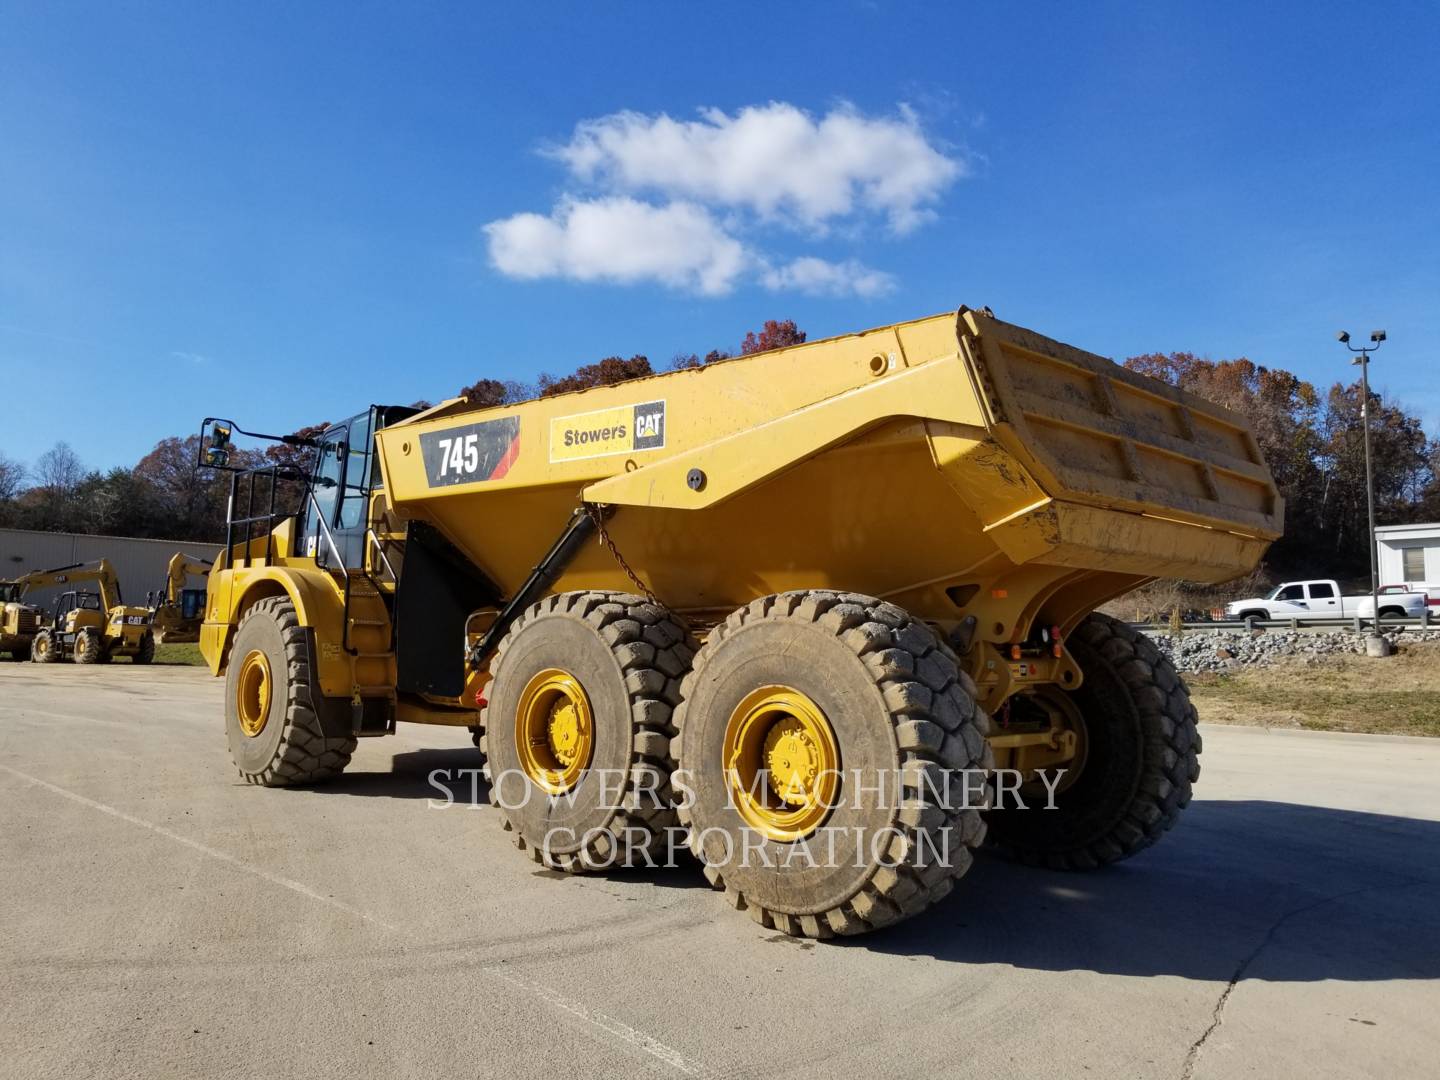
(1363, 359)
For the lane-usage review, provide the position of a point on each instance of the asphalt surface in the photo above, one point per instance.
(163, 919)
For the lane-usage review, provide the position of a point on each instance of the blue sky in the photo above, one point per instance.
(282, 213)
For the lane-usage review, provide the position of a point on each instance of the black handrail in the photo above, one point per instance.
(265, 520)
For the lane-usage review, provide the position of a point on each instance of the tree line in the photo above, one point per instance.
(1312, 441)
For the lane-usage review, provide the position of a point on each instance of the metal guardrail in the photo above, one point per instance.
(1355, 622)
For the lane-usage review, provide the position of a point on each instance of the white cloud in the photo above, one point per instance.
(674, 202)
(817, 277)
(620, 240)
(774, 160)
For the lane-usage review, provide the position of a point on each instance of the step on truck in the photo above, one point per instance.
(826, 614)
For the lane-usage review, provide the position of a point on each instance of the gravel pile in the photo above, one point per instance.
(1227, 650)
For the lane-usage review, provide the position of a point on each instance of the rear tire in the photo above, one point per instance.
(88, 648)
(146, 652)
(627, 657)
(902, 721)
(1141, 758)
(269, 679)
(43, 649)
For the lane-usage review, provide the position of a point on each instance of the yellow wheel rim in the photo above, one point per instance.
(782, 763)
(252, 693)
(554, 730)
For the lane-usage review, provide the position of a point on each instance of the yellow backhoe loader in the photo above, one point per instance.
(827, 613)
(90, 627)
(19, 622)
(178, 610)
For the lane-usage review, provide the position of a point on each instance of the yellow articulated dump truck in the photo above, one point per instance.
(826, 615)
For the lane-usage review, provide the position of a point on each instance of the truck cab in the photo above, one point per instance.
(1292, 600)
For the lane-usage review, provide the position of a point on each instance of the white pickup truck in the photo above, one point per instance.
(1323, 599)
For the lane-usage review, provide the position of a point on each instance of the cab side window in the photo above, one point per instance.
(327, 474)
(1292, 592)
(357, 474)
(1322, 591)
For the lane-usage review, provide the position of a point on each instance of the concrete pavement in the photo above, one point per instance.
(163, 919)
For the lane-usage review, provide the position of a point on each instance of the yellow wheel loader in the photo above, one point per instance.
(826, 615)
(177, 610)
(19, 622)
(90, 627)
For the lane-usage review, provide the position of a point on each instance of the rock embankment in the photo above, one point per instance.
(1225, 650)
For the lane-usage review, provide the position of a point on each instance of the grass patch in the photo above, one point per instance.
(188, 655)
(1397, 695)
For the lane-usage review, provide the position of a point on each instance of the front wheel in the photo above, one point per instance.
(270, 694)
(43, 649)
(88, 647)
(1141, 757)
(146, 652)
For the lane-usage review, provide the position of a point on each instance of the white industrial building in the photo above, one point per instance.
(1409, 553)
(139, 564)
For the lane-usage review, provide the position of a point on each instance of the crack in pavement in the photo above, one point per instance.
(1217, 1017)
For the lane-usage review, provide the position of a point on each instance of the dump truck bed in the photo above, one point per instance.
(947, 463)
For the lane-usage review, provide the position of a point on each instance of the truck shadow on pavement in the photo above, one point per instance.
(455, 770)
(1242, 889)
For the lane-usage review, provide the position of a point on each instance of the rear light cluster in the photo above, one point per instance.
(1051, 641)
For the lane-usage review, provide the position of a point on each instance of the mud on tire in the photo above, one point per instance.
(291, 748)
(630, 656)
(1142, 758)
(897, 703)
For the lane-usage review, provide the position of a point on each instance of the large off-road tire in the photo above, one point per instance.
(146, 652)
(618, 659)
(271, 695)
(1141, 758)
(88, 647)
(44, 649)
(903, 726)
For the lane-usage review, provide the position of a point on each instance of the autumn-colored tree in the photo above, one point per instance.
(488, 393)
(1399, 453)
(301, 459)
(773, 335)
(1314, 448)
(607, 372)
(191, 502)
